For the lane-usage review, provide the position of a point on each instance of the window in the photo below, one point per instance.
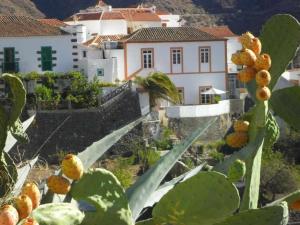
(46, 53)
(205, 98)
(176, 56)
(100, 72)
(204, 55)
(84, 54)
(9, 64)
(147, 55)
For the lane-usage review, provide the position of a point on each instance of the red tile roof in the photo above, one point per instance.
(96, 16)
(169, 34)
(53, 22)
(136, 14)
(220, 31)
(130, 14)
(23, 26)
(101, 38)
(112, 16)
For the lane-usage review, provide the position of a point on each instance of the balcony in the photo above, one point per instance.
(191, 111)
(10, 67)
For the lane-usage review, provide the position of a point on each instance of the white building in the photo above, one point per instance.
(235, 88)
(194, 60)
(105, 20)
(28, 45)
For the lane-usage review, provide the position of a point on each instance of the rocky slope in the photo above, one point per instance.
(240, 15)
(23, 7)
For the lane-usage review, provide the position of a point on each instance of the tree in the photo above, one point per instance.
(159, 86)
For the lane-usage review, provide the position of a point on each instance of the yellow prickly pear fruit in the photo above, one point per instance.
(237, 171)
(33, 192)
(72, 167)
(8, 215)
(237, 139)
(263, 93)
(23, 205)
(263, 62)
(246, 40)
(295, 205)
(256, 46)
(241, 126)
(246, 75)
(236, 58)
(248, 57)
(263, 78)
(58, 184)
(30, 221)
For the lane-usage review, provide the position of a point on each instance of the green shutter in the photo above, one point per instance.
(9, 64)
(46, 53)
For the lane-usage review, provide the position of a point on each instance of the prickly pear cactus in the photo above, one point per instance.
(237, 171)
(274, 215)
(57, 214)
(9, 121)
(101, 189)
(206, 198)
(272, 132)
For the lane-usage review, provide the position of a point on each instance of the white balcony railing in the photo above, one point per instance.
(189, 111)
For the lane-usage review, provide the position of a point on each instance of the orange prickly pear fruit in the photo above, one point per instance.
(263, 93)
(23, 205)
(30, 221)
(246, 75)
(263, 62)
(33, 192)
(72, 167)
(58, 184)
(263, 78)
(241, 126)
(248, 57)
(295, 205)
(246, 40)
(8, 215)
(236, 58)
(256, 46)
(237, 139)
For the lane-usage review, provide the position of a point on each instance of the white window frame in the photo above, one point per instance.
(204, 55)
(147, 58)
(176, 56)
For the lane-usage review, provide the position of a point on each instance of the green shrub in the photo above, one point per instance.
(218, 156)
(43, 93)
(148, 158)
(277, 176)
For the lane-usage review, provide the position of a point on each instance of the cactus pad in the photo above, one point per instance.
(237, 171)
(101, 188)
(274, 215)
(58, 214)
(289, 111)
(206, 198)
(272, 132)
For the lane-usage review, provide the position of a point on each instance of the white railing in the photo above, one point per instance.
(188, 111)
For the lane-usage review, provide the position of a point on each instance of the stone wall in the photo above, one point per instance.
(73, 131)
(185, 126)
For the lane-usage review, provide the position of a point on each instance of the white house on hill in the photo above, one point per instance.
(103, 19)
(194, 60)
(27, 45)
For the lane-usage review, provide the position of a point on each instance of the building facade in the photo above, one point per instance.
(28, 45)
(194, 60)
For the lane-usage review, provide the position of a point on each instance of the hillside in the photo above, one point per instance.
(240, 15)
(20, 7)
